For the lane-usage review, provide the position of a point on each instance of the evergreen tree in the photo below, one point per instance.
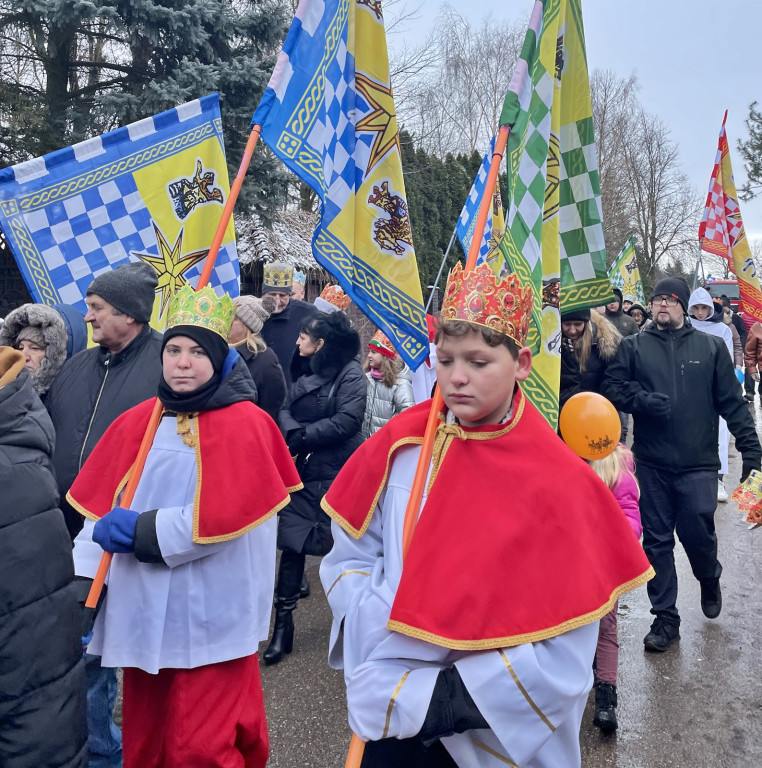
(70, 70)
(751, 152)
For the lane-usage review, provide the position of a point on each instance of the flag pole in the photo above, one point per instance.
(88, 618)
(441, 267)
(357, 745)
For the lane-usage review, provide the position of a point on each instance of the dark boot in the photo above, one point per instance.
(304, 587)
(290, 574)
(605, 707)
(283, 632)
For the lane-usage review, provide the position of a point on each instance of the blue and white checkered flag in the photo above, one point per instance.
(152, 191)
(467, 220)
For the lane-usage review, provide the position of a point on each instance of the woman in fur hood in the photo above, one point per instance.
(40, 332)
(321, 420)
(589, 344)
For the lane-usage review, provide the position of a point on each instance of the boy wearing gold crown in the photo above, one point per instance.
(479, 651)
(191, 582)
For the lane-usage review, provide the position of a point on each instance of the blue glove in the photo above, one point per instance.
(115, 532)
(87, 638)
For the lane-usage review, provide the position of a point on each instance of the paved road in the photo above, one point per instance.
(698, 704)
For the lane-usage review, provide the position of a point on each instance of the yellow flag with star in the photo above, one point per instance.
(328, 112)
(151, 191)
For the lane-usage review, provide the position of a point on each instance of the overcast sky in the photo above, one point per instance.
(693, 60)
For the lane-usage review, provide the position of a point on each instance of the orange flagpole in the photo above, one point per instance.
(153, 423)
(357, 745)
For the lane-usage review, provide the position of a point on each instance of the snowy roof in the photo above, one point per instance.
(290, 239)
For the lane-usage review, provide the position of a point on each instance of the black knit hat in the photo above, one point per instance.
(212, 343)
(618, 295)
(673, 286)
(130, 288)
(577, 314)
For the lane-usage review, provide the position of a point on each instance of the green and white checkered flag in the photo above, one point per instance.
(554, 231)
(625, 274)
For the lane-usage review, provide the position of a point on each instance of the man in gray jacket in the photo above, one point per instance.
(90, 391)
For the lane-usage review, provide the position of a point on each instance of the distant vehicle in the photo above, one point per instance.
(729, 288)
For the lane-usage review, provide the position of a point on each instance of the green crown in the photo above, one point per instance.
(203, 308)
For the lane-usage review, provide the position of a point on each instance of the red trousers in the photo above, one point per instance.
(207, 717)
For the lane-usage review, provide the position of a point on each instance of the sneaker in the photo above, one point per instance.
(722, 494)
(711, 598)
(605, 707)
(662, 635)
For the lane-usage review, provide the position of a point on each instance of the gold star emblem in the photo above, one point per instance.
(382, 120)
(170, 265)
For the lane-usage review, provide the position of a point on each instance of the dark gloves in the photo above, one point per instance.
(747, 467)
(81, 587)
(655, 404)
(295, 440)
(115, 531)
(452, 710)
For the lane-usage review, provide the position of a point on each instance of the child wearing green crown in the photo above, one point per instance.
(191, 581)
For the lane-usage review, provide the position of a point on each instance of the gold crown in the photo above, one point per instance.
(203, 308)
(277, 275)
(503, 305)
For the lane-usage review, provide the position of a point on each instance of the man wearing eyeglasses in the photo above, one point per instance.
(677, 382)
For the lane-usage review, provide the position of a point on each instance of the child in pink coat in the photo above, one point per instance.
(617, 471)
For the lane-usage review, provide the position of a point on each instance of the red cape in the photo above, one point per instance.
(244, 472)
(519, 540)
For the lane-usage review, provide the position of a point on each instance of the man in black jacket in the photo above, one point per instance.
(281, 329)
(90, 391)
(677, 382)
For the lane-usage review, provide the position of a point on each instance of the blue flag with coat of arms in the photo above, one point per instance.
(151, 191)
(328, 113)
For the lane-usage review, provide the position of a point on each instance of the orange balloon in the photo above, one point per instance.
(590, 425)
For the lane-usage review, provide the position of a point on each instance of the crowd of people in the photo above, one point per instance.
(276, 431)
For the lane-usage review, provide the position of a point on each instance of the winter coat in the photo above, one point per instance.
(627, 493)
(268, 378)
(696, 372)
(753, 349)
(53, 330)
(332, 431)
(42, 703)
(622, 322)
(605, 342)
(738, 350)
(740, 326)
(385, 402)
(281, 330)
(91, 390)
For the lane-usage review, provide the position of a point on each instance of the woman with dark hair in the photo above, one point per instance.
(321, 420)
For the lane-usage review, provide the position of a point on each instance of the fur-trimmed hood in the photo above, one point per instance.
(605, 335)
(53, 332)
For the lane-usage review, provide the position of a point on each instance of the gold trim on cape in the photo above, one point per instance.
(342, 575)
(510, 641)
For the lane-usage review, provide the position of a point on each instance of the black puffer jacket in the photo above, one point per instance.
(268, 378)
(42, 703)
(332, 431)
(90, 391)
(696, 372)
(281, 330)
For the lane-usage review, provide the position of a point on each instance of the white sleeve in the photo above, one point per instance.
(388, 676)
(87, 553)
(174, 532)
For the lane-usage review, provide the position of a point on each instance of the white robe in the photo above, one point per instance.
(533, 695)
(209, 603)
(425, 376)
